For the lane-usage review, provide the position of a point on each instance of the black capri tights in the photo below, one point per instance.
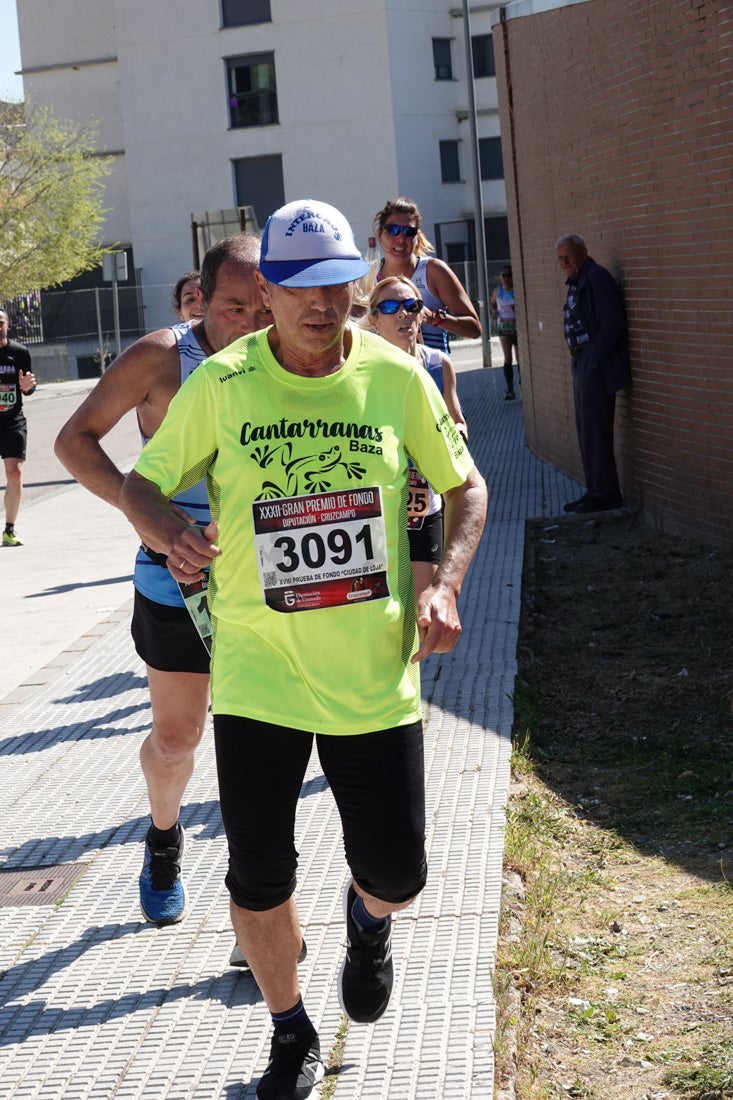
(377, 780)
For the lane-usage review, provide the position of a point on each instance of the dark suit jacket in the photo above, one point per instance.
(601, 307)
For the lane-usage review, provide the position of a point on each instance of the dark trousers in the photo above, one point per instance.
(377, 780)
(594, 413)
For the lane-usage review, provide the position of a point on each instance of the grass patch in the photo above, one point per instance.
(709, 1076)
(334, 1061)
(620, 820)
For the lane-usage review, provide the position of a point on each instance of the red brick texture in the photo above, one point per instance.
(617, 123)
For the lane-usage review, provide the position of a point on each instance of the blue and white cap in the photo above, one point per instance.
(309, 243)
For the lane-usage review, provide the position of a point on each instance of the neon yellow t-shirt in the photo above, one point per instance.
(312, 596)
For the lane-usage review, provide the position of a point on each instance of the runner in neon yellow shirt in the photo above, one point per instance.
(303, 432)
(324, 485)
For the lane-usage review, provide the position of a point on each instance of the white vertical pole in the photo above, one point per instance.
(483, 289)
(116, 305)
(100, 334)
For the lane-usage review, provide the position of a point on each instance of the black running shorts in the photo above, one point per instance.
(377, 780)
(166, 638)
(13, 438)
(426, 544)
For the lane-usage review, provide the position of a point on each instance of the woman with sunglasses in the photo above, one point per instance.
(395, 311)
(448, 309)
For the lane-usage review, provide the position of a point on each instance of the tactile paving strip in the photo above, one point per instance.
(95, 1003)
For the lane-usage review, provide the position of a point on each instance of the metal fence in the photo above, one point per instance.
(75, 332)
(60, 316)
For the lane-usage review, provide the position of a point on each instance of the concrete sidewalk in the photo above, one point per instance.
(95, 1003)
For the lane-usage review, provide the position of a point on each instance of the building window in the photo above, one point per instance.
(441, 59)
(450, 168)
(237, 13)
(258, 182)
(456, 252)
(482, 48)
(496, 239)
(252, 90)
(490, 158)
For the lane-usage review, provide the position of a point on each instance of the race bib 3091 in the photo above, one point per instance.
(321, 549)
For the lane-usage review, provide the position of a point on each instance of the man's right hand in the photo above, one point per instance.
(193, 550)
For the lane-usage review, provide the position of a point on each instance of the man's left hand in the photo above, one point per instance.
(438, 622)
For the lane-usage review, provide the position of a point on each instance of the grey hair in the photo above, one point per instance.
(571, 238)
(242, 249)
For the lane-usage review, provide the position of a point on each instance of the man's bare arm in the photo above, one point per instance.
(144, 375)
(438, 622)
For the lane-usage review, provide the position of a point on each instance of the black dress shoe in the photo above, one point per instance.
(591, 504)
(573, 505)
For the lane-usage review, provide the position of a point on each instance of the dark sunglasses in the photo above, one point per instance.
(506, 274)
(395, 230)
(394, 305)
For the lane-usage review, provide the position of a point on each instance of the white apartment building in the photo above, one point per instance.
(208, 105)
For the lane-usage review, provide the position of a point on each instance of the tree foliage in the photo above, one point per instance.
(50, 198)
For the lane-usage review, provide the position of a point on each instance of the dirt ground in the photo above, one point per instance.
(623, 703)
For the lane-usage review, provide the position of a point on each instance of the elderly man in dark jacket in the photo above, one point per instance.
(595, 331)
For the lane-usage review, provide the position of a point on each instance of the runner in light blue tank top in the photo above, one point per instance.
(502, 308)
(145, 378)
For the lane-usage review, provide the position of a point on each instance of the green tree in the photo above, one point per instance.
(50, 198)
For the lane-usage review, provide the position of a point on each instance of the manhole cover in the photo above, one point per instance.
(38, 885)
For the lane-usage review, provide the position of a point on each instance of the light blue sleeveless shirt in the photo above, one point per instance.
(150, 579)
(433, 336)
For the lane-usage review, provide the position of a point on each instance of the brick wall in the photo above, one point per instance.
(617, 123)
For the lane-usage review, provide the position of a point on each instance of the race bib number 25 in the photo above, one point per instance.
(321, 549)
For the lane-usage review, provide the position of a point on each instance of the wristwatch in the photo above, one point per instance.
(158, 559)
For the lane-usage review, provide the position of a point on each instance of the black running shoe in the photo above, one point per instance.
(295, 1066)
(367, 974)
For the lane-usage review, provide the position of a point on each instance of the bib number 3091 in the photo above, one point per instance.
(321, 550)
(314, 550)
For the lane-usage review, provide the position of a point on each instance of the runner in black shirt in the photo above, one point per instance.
(16, 380)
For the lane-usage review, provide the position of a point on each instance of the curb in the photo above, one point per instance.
(51, 671)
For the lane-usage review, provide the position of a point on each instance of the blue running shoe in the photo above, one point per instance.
(162, 893)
